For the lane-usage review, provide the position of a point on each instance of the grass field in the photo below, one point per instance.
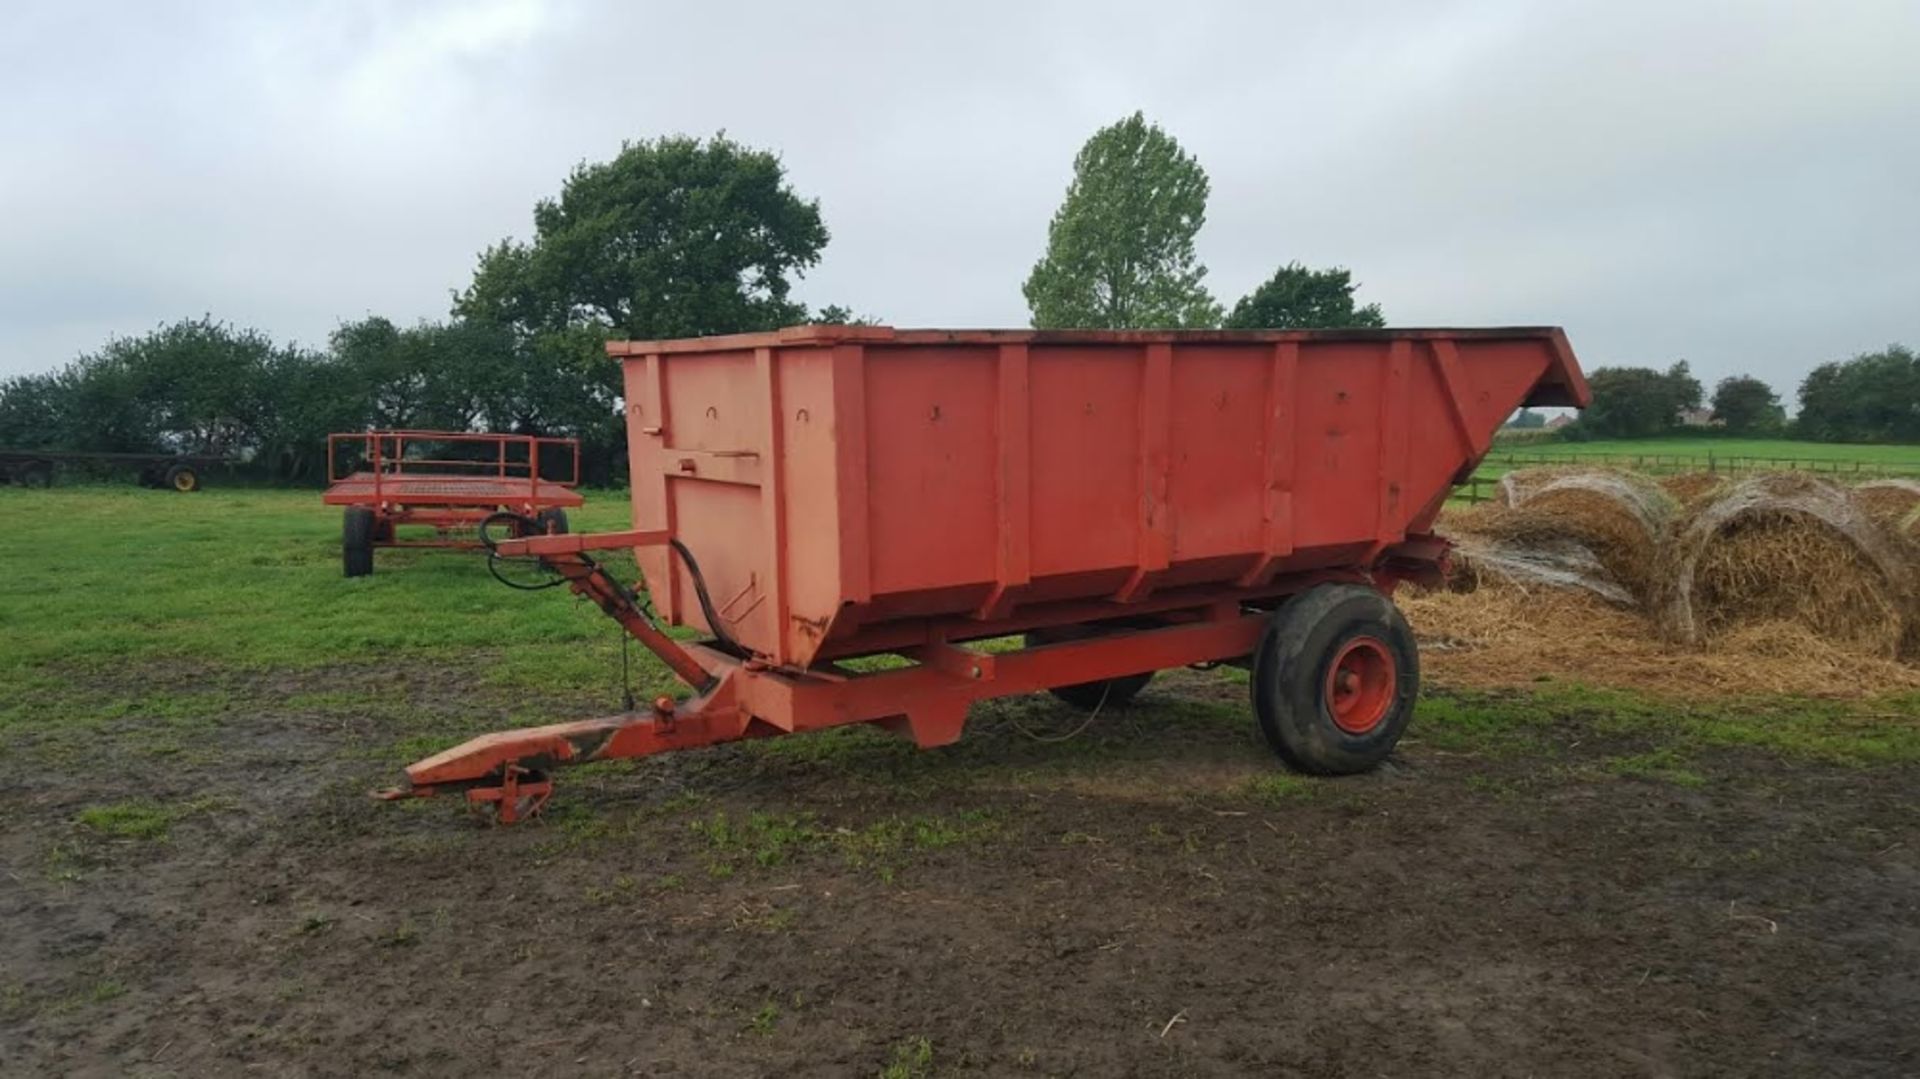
(1563, 880)
(1764, 448)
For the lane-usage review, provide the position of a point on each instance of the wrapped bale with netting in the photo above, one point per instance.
(1893, 502)
(1595, 530)
(1690, 489)
(1783, 554)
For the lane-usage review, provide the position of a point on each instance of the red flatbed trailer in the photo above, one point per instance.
(1129, 501)
(392, 482)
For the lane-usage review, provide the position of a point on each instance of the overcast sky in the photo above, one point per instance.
(1736, 184)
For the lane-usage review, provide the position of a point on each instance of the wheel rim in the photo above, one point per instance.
(1360, 685)
(183, 481)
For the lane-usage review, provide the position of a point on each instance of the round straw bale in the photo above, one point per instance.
(1788, 548)
(1894, 502)
(1692, 488)
(1620, 520)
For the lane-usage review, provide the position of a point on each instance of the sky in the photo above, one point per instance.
(1736, 184)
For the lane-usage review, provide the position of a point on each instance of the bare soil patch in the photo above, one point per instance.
(1153, 898)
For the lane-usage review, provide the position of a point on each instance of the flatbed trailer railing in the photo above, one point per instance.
(387, 459)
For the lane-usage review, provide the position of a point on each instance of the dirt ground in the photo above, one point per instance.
(1150, 897)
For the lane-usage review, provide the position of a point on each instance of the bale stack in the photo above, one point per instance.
(1774, 578)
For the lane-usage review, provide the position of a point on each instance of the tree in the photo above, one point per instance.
(1296, 298)
(201, 384)
(194, 385)
(1120, 248)
(1638, 402)
(33, 412)
(1874, 397)
(1686, 390)
(1527, 420)
(674, 237)
(1744, 405)
(836, 315)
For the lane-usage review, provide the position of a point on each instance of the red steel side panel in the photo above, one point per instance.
(841, 485)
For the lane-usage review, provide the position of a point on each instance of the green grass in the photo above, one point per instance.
(912, 1059)
(98, 577)
(134, 612)
(128, 820)
(1849, 733)
(1278, 789)
(1899, 458)
(884, 847)
(1665, 764)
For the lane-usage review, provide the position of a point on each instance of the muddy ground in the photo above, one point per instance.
(1148, 897)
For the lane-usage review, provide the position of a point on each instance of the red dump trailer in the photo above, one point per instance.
(1127, 501)
(449, 481)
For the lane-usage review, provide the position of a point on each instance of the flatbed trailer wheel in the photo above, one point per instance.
(182, 478)
(552, 521)
(1334, 679)
(1087, 696)
(358, 526)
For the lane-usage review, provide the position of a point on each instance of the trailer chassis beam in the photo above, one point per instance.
(928, 702)
(737, 697)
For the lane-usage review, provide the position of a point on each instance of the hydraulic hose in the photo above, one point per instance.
(706, 601)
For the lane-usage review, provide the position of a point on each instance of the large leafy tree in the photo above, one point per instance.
(1636, 402)
(1120, 248)
(1744, 405)
(1296, 298)
(674, 237)
(1874, 397)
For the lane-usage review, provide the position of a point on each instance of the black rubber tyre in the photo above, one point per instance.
(1334, 679)
(357, 529)
(1087, 696)
(181, 478)
(552, 521)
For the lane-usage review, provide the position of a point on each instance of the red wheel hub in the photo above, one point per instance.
(1361, 682)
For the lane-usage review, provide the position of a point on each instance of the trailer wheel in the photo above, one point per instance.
(1087, 696)
(1334, 679)
(552, 521)
(182, 478)
(357, 529)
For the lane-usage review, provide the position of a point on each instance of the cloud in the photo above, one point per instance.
(1728, 184)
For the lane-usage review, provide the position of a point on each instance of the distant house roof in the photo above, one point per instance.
(1559, 421)
(1696, 417)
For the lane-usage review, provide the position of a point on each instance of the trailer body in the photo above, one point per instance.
(852, 489)
(1130, 501)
